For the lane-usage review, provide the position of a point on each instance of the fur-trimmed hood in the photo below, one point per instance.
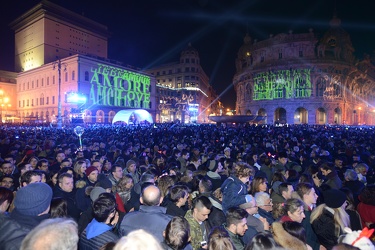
(285, 239)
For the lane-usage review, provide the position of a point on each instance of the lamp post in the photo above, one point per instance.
(58, 64)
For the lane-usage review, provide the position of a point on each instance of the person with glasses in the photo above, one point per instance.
(255, 222)
(264, 203)
(115, 174)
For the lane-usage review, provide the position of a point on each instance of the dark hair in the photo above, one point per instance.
(177, 233)
(177, 192)
(219, 239)
(103, 207)
(283, 187)
(206, 184)
(256, 182)
(200, 202)
(40, 162)
(262, 240)
(26, 177)
(295, 229)
(6, 195)
(114, 166)
(235, 215)
(60, 177)
(59, 208)
(306, 178)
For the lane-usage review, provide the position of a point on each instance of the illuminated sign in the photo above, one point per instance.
(282, 84)
(73, 97)
(112, 86)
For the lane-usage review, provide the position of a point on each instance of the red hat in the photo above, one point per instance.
(89, 170)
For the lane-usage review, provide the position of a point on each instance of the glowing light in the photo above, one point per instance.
(75, 98)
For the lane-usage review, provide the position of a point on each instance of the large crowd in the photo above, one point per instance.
(177, 186)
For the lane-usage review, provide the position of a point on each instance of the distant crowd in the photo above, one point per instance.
(177, 186)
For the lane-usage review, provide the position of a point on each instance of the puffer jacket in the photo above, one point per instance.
(234, 193)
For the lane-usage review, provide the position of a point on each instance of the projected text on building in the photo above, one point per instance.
(282, 84)
(113, 86)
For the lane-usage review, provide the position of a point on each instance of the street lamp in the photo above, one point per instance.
(58, 64)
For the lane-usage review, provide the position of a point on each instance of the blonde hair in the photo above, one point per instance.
(242, 169)
(340, 217)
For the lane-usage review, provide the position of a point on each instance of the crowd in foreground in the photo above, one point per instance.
(175, 186)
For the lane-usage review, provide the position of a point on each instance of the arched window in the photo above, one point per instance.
(320, 86)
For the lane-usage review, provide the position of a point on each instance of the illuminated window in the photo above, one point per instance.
(32, 84)
(320, 86)
(23, 103)
(19, 103)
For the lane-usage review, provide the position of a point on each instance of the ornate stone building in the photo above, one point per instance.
(61, 55)
(183, 91)
(305, 79)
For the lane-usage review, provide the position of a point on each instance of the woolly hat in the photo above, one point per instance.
(95, 192)
(33, 199)
(130, 162)
(334, 198)
(213, 165)
(90, 169)
(104, 183)
(226, 149)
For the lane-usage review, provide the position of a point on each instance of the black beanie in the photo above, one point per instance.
(334, 198)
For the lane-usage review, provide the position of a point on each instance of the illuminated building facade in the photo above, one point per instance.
(8, 96)
(91, 89)
(59, 51)
(183, 91)
(305, 79)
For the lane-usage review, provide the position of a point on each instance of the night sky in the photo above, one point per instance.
(150, 32)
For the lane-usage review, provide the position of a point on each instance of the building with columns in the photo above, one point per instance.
(183, 90)
(63, 67)
(305, 79)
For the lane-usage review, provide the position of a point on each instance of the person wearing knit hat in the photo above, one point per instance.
(105, 183)
(227, 152)
(32, 205)
(329, 219)
(131, 168)
(215, 168)
(95, 192)
(33, 199)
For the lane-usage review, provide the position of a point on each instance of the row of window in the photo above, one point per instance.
(38, 102)
(189, 60)
(178, 70)
(26, 86)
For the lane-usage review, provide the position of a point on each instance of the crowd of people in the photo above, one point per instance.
(177, 186)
